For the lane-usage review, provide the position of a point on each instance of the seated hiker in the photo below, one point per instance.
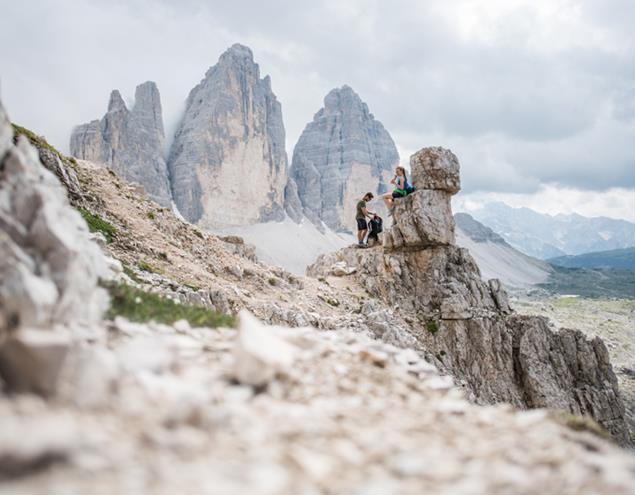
(361, 215)
(402, 188)
(375, 228)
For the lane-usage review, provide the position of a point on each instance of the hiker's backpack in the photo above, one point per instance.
(376, 225)
(408, 188)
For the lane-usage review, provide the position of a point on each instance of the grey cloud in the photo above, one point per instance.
(517, 116)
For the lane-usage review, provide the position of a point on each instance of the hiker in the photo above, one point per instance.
(402, 188)
(360, 216)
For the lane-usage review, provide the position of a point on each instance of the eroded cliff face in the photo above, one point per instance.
(464, 322)
(342, 154)
(131, 142)
(228, 162)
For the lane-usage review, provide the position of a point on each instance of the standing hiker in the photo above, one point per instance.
(360, 216)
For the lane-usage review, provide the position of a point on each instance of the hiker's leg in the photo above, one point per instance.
(388, 200)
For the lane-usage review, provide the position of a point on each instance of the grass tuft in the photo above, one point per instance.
(273, 281)
(147, 267)
(140, 306)
(432, 327)
(97, 224)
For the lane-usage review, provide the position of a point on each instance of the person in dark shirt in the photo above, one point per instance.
(360, 216)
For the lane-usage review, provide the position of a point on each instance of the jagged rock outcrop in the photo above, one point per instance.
(342, 154)
(228, 162)
(131, 142)
(465, 323)
(49, 269)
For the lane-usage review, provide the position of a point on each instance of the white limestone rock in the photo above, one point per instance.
(259, 353)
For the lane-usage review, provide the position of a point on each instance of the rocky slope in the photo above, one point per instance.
(496, 258)
(342, 154)
(467, 323)
(122, 407)
(131, 142)
(228, 162)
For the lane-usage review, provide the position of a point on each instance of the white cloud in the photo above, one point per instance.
(527, 92)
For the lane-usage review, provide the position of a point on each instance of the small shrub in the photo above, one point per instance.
(163, 255)
(273, 281)
(140, 306)
(97, 224)
(147, 267)
(131, 274)
(333, 302)
(432, 327)
(198, 233)
(151, 215)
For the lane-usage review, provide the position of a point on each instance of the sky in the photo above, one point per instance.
(536, 97)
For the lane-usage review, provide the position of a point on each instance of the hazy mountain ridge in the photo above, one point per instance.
(616, 258)
(547, 236)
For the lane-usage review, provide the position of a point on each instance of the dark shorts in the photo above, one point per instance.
(396, 194)
(361, 224)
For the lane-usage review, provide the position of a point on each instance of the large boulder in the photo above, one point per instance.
(422, 219)
(435, 168)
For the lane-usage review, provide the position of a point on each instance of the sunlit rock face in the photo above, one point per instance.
(228, 162)
(131, 142)
(342, 154)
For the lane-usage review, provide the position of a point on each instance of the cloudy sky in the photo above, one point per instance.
(537, 98)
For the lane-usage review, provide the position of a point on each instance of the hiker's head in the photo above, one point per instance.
(368, 196)
(400, 171)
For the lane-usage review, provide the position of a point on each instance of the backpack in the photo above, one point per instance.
(408, 188)
(376, 225)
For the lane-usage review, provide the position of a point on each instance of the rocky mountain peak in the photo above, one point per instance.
(229, 147)
(116, 103)
(342, 154)
(129, 142)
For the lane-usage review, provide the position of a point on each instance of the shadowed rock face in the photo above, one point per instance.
(131, 142)
(228, 162)
(466, 324)
(342, 154)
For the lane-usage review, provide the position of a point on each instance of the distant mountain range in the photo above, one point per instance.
(622, 259)
(549, 236)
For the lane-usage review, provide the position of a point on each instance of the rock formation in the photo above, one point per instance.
(131, 142)
(48, 269)
(342, 154)
(465, 323)
(228, 162)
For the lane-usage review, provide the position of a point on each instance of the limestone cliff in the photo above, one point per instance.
(465, 323)
(228, 162)
(131, 142)
(342, 154)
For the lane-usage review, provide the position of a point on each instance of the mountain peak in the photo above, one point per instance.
(116, 101)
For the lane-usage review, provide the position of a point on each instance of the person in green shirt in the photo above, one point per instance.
(361, 215)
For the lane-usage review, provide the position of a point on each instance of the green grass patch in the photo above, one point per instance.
(580, 423)
(97, 224)
(40, 142)
(432, 327)
(131, 274)
(151, 215)
(140, 306)
(147, 267)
